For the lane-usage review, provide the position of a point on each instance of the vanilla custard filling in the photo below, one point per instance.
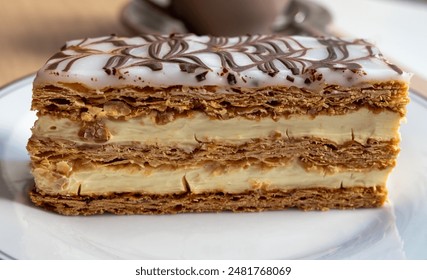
(186, 132)
(104, 180)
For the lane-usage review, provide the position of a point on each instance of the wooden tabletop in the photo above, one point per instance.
(31, 31)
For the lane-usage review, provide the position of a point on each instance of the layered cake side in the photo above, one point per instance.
(181, 123)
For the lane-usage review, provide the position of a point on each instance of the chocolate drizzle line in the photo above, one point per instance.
(266, 53)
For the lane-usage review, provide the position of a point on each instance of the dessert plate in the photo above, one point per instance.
(396, 231)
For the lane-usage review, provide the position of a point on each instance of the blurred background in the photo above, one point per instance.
(31, 31)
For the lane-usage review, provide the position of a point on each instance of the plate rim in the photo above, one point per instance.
(9, 86)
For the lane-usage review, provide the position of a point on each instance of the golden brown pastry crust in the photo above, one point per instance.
(79, 103)
(309, 152)
(251, 201)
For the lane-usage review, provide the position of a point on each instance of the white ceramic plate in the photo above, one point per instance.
(396, 231)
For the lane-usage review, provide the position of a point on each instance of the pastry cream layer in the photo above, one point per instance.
(184, 132)
(103, 180)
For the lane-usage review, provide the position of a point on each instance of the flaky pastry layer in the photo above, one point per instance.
(253, 201)
(80, 103)
(272, 151)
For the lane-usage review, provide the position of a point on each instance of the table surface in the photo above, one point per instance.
(33, 30)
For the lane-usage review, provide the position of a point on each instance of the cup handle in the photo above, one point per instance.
(168, 10)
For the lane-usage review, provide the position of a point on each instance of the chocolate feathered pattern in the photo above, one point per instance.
(262, 50)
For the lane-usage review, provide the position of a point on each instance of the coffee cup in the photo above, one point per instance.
(224, 17)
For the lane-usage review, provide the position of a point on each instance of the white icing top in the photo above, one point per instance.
(246, 61)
